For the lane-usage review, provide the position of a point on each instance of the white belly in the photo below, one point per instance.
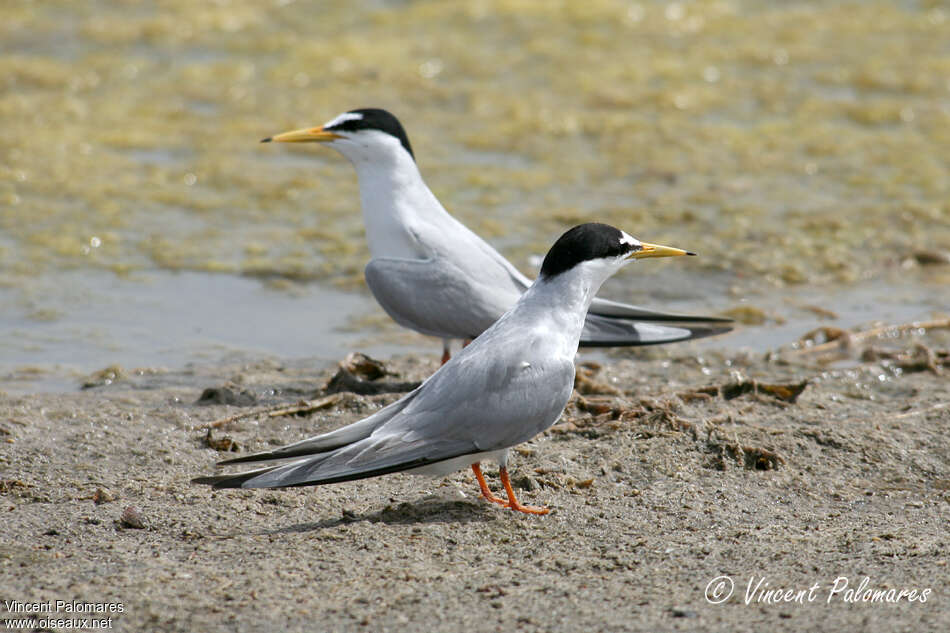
(440, 469)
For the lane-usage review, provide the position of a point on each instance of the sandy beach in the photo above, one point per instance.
(676, 480)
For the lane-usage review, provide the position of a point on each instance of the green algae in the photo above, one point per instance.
(789, 143)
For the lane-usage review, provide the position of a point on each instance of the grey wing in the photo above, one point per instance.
(354, 451)
(492, 398)
(369, 457)
(479, 402)
(334, 439)
(435, 297)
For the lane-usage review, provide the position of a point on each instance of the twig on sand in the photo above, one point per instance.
(304, 406)
(307, 406)
(936, 407)
(851, 338)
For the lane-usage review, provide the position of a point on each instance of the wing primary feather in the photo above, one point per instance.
(238, 480)
(614, 309)
(334, 440)
(272, 455)
(672, 318)
(233, 480)
(366, 474)
(611, 332)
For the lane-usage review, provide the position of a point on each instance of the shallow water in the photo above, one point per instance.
(154, 321)
(160, 320)
(799, 148)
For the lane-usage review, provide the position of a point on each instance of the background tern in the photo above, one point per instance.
(432, 274)
(508, 385)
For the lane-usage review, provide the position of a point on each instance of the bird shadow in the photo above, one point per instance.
(408, 513)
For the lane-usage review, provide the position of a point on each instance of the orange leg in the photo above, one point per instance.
(465, 342)
(512, 502)
(477, 469)
(446, 351)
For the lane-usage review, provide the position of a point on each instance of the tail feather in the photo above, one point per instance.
(608, 308)
(600, 331)
(299, 475)
(329, 441)
(234, 480)
(347, 464)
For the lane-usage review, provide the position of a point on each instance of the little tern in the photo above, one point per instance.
(432, 274)
(508, 385)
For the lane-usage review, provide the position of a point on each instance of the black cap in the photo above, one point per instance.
(583, 243)
(374, 119)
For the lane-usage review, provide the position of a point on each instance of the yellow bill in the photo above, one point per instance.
(655, 250)
(306, 135)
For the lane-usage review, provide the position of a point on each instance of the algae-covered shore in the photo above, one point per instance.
(793, 145)
(668, 470)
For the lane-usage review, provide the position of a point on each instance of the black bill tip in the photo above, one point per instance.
(691, 253)
(267, 140)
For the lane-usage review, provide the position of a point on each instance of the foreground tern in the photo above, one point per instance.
(508, 385)
(432, 274)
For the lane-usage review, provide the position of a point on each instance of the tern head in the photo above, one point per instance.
(364, 135)
(597, 251)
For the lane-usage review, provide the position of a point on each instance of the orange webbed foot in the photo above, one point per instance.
(486, 492)
(513, 502)
(528, 509)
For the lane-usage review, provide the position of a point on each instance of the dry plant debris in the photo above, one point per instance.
(828, 339)
(221, 444)
(360, 374)
(301, 408)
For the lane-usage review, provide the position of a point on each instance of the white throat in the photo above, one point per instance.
(393, 195)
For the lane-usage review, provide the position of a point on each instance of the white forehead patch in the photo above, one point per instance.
(629, 239)
(343, 118)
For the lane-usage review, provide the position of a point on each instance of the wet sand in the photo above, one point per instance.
(667, 470)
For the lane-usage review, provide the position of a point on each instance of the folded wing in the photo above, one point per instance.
(485, 400)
